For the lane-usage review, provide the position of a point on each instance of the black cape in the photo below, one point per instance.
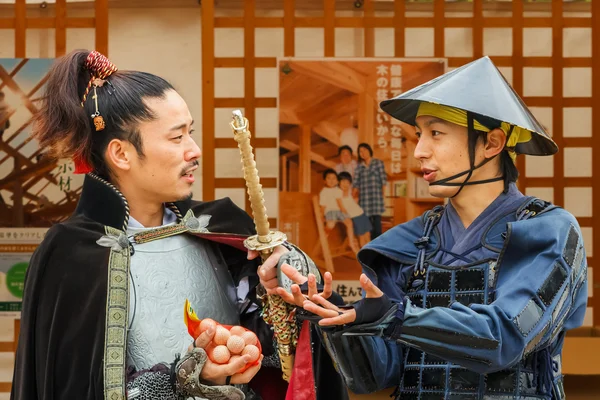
(61, 346)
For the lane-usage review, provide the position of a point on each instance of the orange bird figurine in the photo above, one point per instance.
(191, 320)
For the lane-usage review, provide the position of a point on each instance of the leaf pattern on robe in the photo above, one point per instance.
(114, 242)
(196, 224)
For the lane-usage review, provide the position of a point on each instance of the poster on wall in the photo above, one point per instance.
(16, 248)
(343, 160)
(34, 190)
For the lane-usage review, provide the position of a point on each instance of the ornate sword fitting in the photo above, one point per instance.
(258, 242)
(239, 123)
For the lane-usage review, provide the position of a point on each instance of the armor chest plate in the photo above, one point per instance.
(444, 285)
(163, 274)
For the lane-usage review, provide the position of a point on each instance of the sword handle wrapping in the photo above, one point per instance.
(276, 312)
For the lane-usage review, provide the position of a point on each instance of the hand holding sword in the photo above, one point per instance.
(276, 312)
(280, 280)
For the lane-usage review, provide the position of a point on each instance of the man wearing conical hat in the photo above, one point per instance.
(471, 300)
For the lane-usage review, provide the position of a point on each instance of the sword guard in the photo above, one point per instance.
(263, 243)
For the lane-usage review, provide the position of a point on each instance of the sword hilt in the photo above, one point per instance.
(276, 311)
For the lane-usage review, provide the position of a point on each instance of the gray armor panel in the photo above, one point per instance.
(164, 273)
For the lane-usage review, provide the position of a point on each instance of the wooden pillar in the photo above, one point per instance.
(439, 23)
(249, 73)
(208, 101)
(60, 30)
(517, 63)
(594, 300)
(20, 28)
(102, 27)
(43, 34)
(558, 179)
(304, 159)
(329, 31)
(369, 7)
(478, 29)
(289, 32)
(399, 34)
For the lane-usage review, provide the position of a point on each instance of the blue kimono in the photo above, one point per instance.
(485, 309)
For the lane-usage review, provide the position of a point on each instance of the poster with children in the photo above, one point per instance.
(344, 162)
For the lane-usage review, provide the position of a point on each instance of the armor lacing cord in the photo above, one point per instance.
(419, 268)
(460, 256)
(532, 210)
(545, 367)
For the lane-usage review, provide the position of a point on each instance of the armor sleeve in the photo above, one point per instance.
(369, 363)
(366, 363)
(541, 292)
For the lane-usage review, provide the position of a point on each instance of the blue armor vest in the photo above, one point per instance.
(428, 377)
(487, 326)
(448, 279)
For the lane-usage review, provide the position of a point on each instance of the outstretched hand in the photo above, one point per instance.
(297, 297)
(267, 274)
(333, 315)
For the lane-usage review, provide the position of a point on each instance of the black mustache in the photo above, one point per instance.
(191, 165)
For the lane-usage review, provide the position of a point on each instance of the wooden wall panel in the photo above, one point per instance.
(59, 21)
(395, 16)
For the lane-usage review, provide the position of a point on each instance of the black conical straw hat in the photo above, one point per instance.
(478, 87)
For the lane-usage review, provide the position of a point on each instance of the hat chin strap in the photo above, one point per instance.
(445, 181)
(468, 172)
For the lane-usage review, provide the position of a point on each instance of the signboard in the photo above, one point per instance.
(16, 248)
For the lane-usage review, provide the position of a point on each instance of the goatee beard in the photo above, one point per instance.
(186, 198)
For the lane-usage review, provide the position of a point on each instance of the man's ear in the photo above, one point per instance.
(496, 141)
(118, 155)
